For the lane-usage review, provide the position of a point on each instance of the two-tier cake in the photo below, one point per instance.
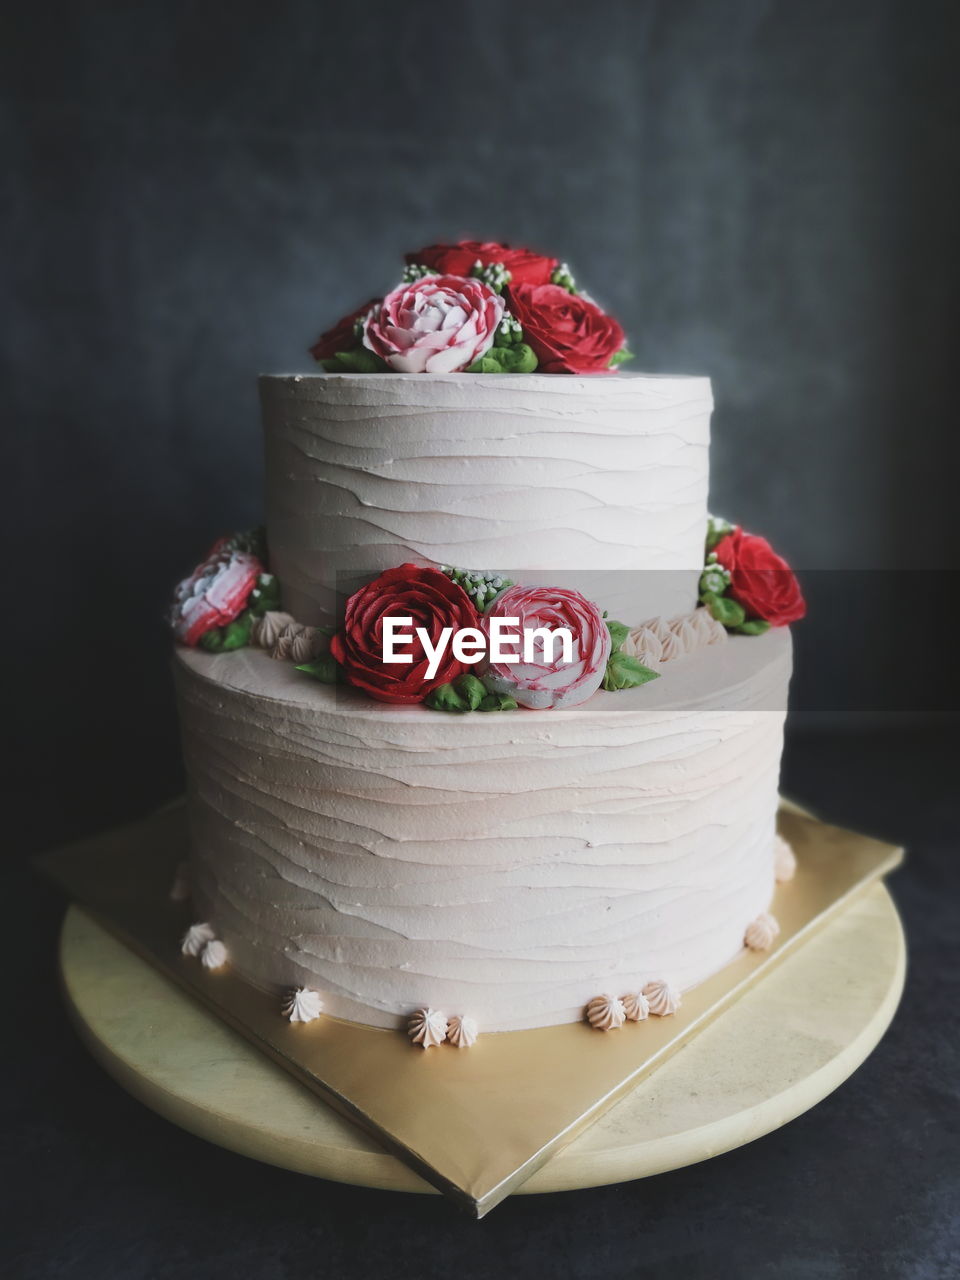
(469, 846)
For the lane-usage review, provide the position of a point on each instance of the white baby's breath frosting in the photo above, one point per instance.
(213, 955)
(606, 1013)
(427, 1028)
(196, 938)
(762, 932)
(784, 860)
(636, 1006)
(662, 999)
(303, 1005)
(461, 1031)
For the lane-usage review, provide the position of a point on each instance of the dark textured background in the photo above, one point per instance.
(763, 191)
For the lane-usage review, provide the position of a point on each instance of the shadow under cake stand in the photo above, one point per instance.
(785, 1044)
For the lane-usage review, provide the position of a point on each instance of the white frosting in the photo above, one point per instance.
(596, 483)
(196, 938)
(427, 1028)
(462, 1032)
(303, 1005)
(512, 864)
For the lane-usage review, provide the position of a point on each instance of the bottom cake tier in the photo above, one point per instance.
(507, 867)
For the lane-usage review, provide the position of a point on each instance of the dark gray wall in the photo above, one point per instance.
(765, 192)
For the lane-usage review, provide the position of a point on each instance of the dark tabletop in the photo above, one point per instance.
(866, 1184)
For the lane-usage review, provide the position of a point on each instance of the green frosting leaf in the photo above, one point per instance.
(470, 689)
(624, 672)
(486, 364)
(498, 702)
(357, 360)
(753, 627)
(326, 670)
(467, 693)
(516, 359)
(618, 633)
(446, 698)
(620, 357)
(235, 635)
(725, 609)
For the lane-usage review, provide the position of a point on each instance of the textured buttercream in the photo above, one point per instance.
(512, 864)
(595, 483)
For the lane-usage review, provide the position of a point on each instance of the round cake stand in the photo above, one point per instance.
(788, 1042)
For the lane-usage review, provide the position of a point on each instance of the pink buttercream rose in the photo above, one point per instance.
(544, 683)
(439, 324)
(214, 594)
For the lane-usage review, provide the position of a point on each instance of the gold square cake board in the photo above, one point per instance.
(473, 1123)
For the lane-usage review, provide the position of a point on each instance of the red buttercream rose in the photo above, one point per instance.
(760, 580)
(568, 332)
(458, 259)
(427, 596)
(342, 337)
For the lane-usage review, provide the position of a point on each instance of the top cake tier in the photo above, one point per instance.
(598, 483)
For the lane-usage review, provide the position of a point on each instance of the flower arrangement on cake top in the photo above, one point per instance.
(476, 307)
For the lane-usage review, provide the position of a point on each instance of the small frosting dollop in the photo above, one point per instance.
(707, 628)
(462, 1031)
(303, 1005)
(685, 633)
(660, 640)
(307, 644)
(673, 647)
(196, 938)
(606, 1013)
(214, 954)
(635, 1005)
(283, 648)
(427, 1028)
(644, 644)
(784, 860)
(762, 932)
(180, 889)
(662, 999)
(266, 631)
